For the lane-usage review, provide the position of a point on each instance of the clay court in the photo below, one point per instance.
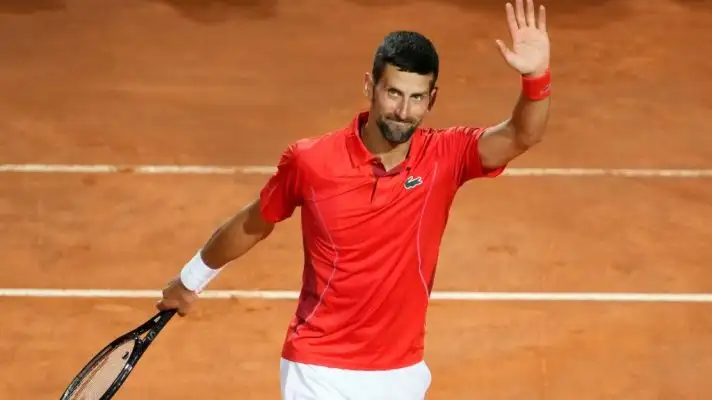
(616, 201)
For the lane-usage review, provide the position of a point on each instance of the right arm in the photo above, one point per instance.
(276, 202)
(233, 239)
(236, 236)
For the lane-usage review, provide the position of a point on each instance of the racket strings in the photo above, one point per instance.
(99, 378)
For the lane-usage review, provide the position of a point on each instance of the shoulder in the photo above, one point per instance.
(316, 146)
(451, 138)
(453, 133)
(307, 154)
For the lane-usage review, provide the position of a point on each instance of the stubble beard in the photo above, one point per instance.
(395, 137)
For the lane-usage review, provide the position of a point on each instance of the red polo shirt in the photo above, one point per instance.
(371, 241)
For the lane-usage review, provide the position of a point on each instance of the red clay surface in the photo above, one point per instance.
(233, 82)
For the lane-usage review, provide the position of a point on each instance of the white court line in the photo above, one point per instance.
(293, 295)
(266, 170)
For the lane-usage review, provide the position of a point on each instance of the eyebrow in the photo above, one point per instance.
(413, 94)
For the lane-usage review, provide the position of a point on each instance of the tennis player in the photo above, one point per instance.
(374, 198)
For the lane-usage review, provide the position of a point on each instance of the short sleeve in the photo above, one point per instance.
(464, 143)
(282, 193)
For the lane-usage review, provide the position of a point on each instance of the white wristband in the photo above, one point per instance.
(195, 275)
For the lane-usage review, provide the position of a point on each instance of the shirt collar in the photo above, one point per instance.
(358, 152)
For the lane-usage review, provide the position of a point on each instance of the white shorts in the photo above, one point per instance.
(311, 382)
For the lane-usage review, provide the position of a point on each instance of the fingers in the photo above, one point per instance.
(519, 16)
(511, 20)
(531, 18)
(542, 18)
(182, 309)
(176, 297)
(519, 11)
(167, 304)
(164, 304)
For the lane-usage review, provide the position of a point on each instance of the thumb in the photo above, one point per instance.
(509, 56)
(503, 49)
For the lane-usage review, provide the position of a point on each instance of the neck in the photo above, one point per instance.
(390, 154)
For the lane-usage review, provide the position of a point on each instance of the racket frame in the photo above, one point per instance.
(151, 328)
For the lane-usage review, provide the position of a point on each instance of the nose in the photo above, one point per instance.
(402, 111)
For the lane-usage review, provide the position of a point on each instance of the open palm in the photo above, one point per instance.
(530, 49)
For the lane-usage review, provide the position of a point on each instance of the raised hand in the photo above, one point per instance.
(530, 49)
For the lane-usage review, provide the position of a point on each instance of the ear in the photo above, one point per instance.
(368, 85)
(433, 97)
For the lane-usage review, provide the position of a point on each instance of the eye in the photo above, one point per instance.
(393, 93)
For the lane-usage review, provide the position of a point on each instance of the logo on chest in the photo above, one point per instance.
(412, 181)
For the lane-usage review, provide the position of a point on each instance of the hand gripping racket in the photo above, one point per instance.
(104, 374)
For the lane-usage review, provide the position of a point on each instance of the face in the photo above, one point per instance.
(399, 102)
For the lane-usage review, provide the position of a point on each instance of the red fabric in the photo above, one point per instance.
(371, 241)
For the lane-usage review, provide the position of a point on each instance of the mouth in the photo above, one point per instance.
(400, 124)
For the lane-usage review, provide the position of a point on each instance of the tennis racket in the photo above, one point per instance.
(104, 374)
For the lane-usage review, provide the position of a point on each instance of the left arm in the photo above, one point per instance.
(502, 143)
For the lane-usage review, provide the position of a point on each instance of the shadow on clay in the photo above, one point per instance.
(566, 13)
(217, 11)
(696, 5)
(30, 6)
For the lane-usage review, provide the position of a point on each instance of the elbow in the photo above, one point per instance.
(527, 135)
(527, 138)
(526, 142)
(254, 224)
(266, 230)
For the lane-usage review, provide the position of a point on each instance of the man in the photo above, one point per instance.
(374, 199)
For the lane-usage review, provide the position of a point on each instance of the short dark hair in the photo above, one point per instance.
(408, 51)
